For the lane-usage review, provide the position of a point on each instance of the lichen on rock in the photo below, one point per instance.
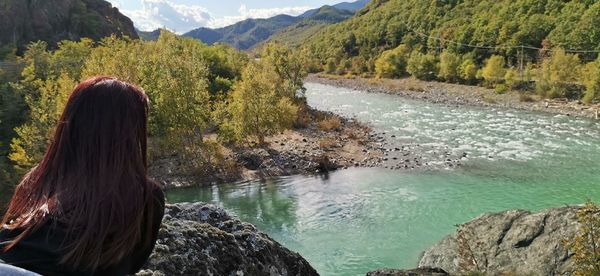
(203, 239)
(515, 241)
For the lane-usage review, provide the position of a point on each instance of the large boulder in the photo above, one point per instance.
(424, 271)
(516, 241)
(202, 239)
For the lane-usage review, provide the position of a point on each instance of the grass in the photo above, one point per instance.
(330, 123)
(327, 143)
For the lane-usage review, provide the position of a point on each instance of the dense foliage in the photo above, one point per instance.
(460, 38)
(192, 87)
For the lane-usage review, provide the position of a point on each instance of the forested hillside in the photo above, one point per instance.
(54, 20)
(296, 34)
(545, 41)
(458, 25)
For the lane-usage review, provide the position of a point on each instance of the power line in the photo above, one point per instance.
(495, 47)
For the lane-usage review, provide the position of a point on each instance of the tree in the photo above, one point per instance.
(257, 107)
(586, 247)
(468, 69)
(422, 66)
(288, 67)
(493, 71)
(449, 66)
(590, 77)
(44, 111)
(557, 73)
(392, 63)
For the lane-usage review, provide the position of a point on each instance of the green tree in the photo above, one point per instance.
(590, 77)
(450, 65)
(288, 67)
(44, 111)
(257, 107)
(468, 69)
(586, 247)
(557, 73)
(392, 63)
(493, 71)
(422, 66)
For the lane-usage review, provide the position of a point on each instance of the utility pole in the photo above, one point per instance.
(521, 61)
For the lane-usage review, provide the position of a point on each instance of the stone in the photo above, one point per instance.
(426, 271)
(516, 241)
(203, 239)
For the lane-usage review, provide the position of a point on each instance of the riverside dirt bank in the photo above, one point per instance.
(309, 150)
(457, 94)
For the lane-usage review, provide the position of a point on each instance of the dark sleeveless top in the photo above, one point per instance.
(41, 251)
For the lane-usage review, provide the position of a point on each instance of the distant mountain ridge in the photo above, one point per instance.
(348, 6)
(54, 20)
(250, 32)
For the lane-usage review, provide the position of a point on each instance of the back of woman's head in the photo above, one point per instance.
(92, 180)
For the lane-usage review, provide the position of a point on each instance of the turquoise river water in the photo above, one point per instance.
(356, 220)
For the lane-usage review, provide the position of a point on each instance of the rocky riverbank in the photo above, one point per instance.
(456, 94)
(326, 143)
(514, 242)
(202, 239)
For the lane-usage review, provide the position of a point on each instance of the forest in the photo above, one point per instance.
(549, 47)
(194, 89)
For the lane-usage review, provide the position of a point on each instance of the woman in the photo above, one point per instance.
(88, 208)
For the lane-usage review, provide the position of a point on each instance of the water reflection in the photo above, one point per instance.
(265, 204)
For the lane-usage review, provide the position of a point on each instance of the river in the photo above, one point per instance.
(356, 220)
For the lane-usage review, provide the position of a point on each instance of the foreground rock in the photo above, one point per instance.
(425, 271)
(518, 242)
(202, 239)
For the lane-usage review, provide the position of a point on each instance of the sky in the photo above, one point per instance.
(182, 16)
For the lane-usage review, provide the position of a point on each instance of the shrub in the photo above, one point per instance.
(493, 71)
(449, 66)
(422, 66)
(330, 123)
(330, 66)
(327, 143)
(392, 63)
(511, 78)
(468, 69)
(557, 73)
(501, 88)
(525, 98)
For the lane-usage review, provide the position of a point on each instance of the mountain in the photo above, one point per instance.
(244, 34)
(347, 6)
(295, 34)
(152, 35)
(250, 32)
(54, 20)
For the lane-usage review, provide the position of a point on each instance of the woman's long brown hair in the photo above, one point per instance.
(92, 180)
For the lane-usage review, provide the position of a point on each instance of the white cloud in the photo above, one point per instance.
(245, 13)
(183, 18)
(163, 13)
